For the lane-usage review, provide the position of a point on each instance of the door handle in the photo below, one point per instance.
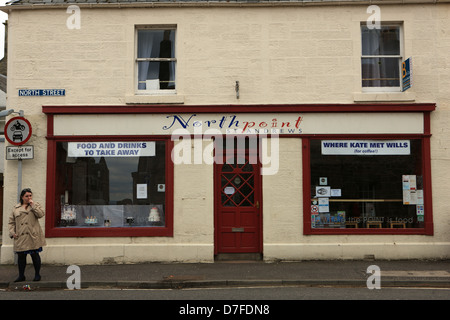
(257, 205)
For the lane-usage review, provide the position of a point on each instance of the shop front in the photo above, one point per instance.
(188, 183)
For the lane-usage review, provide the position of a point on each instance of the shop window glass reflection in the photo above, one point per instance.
(111, 184)
(366, 184)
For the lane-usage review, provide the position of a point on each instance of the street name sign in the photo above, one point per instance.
(42, 92)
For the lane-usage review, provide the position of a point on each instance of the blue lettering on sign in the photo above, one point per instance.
(335, 144)
(41, 92)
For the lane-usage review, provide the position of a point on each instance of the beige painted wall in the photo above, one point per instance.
(279, 55)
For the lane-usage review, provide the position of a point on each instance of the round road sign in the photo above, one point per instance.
(18, 131)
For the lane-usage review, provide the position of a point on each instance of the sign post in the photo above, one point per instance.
(18, 132)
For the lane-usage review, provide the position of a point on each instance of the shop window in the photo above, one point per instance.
(155, 59)
(381, 58)
(366, 184)
(112, 185)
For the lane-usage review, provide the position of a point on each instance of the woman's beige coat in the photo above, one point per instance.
(24, 223)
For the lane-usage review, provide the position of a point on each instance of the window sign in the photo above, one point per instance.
(229, 190)
(366, 147)
(370, 184)
(141, 191)
(111, 149)
(111, 184)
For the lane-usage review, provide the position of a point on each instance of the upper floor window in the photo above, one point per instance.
(381, 58)
(155, 59)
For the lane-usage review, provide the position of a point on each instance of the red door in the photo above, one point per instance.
(237, 203)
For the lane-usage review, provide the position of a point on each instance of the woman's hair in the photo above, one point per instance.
(23, 193)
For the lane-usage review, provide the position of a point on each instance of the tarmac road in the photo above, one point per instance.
(283, 302)
(241, 293)
(169, 285)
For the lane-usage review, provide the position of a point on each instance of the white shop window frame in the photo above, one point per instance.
(399, 57)
(154, 92)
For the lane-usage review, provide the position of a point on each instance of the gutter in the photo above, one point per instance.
(208, 4)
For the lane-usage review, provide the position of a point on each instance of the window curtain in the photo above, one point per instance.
(172, 65)
(145, 44)
(167, 69)
(371, 46)
(384, 41)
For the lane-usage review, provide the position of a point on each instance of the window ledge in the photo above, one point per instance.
(154, 99)
(383, 96)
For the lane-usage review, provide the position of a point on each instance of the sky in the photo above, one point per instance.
(3, 18)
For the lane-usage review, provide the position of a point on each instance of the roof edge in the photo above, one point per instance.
(217, 3)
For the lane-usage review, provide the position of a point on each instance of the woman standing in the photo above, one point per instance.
(27, 233)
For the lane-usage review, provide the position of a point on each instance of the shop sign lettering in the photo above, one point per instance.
(236, 124)
(366, 147)
(111, 149)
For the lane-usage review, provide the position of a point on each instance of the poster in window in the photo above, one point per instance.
(324, 205)
(336, 192)
(405, 182)
(141, 191)
(412, 182)
(412, 197)
(420, 210)
(420, 197)
(323, 192)
(409, 186)
(406, 197)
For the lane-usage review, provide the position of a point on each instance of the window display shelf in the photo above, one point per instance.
(361, 200)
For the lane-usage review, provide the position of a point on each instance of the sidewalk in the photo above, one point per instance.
(428, 273)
